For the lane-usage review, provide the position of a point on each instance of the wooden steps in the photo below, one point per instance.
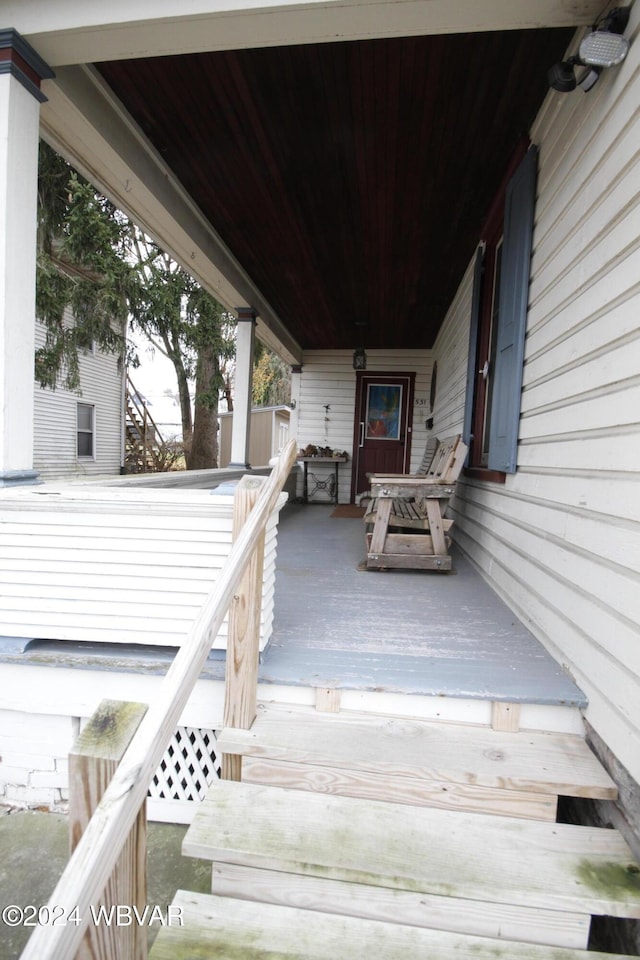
(546, 869)
(384, 853)
(456, 766)
(212, 926)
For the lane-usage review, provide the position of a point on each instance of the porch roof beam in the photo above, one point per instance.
(88, 31)
(85, 123)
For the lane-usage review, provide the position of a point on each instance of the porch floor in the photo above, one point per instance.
(398, 631)
(338, 626)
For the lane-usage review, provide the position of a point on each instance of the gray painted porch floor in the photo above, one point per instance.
(400, 631)
(397, 631)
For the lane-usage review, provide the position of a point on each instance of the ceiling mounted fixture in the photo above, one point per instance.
(359, 355)
(603, 47)
(359, 359)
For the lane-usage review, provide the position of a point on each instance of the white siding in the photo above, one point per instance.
(54, 455)
(106, 565)
(451, 351)
(561, 539)
(328, 377)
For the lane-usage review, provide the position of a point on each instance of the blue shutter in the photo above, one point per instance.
(473, 344)
(514, 297)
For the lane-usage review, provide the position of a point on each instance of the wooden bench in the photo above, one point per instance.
(414, 503)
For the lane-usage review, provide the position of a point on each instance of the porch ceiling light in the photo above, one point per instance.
(359, 359)
(603, 47)
(359, 355)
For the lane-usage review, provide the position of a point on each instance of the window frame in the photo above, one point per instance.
(84, 432)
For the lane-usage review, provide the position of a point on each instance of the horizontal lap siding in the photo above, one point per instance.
(118, 572)
(54, 452)
(561, 539)
(329, 377)
(451, 351)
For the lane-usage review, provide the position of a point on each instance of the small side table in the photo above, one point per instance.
(327, 484)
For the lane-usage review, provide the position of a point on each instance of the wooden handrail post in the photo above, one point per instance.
(92, 762)
(243, 640)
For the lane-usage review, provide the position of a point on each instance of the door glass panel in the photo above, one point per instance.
(384, 405)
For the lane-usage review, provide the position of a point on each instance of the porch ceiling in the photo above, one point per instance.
(349, 179)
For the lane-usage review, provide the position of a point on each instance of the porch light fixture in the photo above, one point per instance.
(359, 356)
(359, 359)
(603, 47)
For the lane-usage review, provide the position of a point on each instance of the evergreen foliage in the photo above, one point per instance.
(81, 265)
(271, 379)
(95, 261)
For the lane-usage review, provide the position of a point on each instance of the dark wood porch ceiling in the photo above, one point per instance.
(350, 180)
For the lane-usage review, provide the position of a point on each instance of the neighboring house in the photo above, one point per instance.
(269, 433)
(80, 434)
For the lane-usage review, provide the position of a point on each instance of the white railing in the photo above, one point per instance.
(92, 863)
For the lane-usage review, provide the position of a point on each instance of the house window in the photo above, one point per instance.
(86, 420)
(498, 322)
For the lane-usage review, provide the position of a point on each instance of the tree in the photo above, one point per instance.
(81, 265)
(189, 327)
(93, 259)
(271, 379)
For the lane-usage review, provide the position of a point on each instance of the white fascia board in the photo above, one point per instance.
(90, 31)
(87, 125)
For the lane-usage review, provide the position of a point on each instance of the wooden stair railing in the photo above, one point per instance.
(145, 446)
(96, 853)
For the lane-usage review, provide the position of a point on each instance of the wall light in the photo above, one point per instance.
(359, 359)
(359, 356)
(603, 47)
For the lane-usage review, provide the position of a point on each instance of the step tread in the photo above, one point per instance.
(376, 786)
(219, 926)
(421, 849)
(471, 917)
(549, 763)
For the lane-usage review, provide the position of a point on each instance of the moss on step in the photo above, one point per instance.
(611, 880)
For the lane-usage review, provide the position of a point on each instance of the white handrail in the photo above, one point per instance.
(94, 858)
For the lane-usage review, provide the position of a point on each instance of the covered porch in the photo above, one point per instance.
(393, 764)
(403, 642)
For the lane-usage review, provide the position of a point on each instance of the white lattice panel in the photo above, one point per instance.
(189, 765)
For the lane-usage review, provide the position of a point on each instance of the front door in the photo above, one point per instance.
(382, 434)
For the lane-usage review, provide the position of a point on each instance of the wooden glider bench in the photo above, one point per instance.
(414, 503)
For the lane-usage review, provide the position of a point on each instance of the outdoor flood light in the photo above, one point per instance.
(603, 47)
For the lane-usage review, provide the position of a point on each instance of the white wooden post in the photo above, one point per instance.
(20, 72)
(241, 430)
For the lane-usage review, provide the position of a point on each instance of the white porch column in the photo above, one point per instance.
(240, 434)
(21, 70)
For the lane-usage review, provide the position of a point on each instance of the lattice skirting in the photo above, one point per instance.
(188, 767)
